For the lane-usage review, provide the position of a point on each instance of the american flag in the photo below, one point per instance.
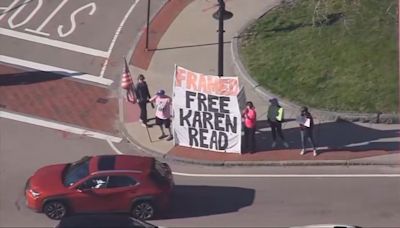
(127, 83)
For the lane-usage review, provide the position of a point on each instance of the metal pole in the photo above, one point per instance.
(147, 25)
(221, 38)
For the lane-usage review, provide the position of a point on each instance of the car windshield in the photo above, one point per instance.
(76, 171)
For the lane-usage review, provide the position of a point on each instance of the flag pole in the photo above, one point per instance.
(131, 90)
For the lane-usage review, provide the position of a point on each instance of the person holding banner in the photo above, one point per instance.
(250, 117)
(306, 123)
(275, 119)
(163, 113)
(142, 96)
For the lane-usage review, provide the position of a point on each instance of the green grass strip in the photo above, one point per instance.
(346, 59)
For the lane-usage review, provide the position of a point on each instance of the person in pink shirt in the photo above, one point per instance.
(249, 115)
(163, 113)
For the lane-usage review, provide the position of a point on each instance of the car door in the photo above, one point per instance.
(91, 195)
(121, 189)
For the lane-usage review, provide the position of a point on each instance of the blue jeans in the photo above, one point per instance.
(307, 134)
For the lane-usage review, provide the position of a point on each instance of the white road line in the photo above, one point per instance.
(73, 21)
(48, 68)
(58, 126)
(113, 147)
(117, 32)
(285, 175)
(7, 9)
(55, 43)
(44, 23)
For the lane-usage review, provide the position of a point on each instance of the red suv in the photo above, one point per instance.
(106, 183)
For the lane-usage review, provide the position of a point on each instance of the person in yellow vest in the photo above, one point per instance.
(275, 119)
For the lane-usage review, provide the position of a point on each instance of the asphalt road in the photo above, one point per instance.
(83, 36)
(25, 148)
(75, 37)
(209, 201)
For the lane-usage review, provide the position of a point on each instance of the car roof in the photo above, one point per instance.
(121, 162)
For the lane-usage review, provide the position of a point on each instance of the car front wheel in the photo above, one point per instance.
(143, 210)
(55, 210)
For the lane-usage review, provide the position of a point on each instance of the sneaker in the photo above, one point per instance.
(302, 152)
(162, 136)
(143, 125)
(315, 153)
(273, 144)
(285, 144)
(170, 138)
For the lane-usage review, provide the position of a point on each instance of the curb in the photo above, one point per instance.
(385, 118)
(173, 158)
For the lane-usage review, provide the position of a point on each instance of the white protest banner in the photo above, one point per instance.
(206, 111)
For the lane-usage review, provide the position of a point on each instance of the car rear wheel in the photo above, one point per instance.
(143, 210)
(55, 210)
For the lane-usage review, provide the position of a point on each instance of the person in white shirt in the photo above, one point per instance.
(306, 123)
(163, 113)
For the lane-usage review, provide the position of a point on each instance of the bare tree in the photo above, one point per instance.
(324, 11)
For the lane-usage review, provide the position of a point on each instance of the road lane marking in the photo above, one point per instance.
(114, 147)
(19, 9)
(117, 32)
(54, 43)
(48, 68)
(45, 22)
(7, 9)
(73, 21)
(58, 126)
(285, 175)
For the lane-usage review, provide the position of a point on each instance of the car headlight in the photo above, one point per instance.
(34, 193)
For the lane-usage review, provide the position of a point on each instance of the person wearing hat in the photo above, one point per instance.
(306, 123)
(163, 113)
(143, 96)
(275, 119)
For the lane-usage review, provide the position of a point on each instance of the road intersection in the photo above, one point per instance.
(61, 64)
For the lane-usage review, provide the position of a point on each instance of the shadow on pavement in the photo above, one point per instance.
(335, 136)
(31, 77)
(193, 201)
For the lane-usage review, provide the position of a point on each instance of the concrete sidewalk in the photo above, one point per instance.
(185, 33)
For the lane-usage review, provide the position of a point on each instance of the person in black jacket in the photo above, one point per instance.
(143, 96)
(306, 123)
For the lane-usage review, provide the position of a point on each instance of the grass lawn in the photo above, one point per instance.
(346, 59)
